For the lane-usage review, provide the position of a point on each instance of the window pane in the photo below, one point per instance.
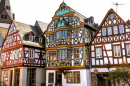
(111, 16)
(103, 31)
(128, 49)
(99, 52)
(77, 77)
(69, 77)
(117, 51)
(58, 35)
(121, 28)
(51, 76)
(109, 30)
(63, 34)
(63, 54)
(115, 29)
(75, 33)
(31, 76)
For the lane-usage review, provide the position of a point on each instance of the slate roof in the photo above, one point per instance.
(25, 29)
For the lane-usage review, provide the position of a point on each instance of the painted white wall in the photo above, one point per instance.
(23, 76)
(84, 78)
(40, 76)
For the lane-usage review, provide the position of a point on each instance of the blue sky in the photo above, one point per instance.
(28, 11)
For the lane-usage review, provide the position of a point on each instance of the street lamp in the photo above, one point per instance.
(95, 72)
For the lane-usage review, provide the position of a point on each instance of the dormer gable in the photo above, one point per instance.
(4, 17)
(113, 28)
(31, 36)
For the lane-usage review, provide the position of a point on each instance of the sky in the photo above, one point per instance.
(28, 11)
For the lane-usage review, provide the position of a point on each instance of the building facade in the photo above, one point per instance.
(67, 57)
(110, 47)
(23, 55)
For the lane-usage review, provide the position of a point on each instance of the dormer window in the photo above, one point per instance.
(40, 40)
(31, 38)
(111, 16)
(5, 16)
(2, 16)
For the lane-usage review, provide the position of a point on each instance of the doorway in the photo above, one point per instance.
(58, 78)
(11, 77)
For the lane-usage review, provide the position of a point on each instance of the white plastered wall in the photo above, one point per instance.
(84, 78)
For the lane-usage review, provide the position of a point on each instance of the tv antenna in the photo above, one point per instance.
(117, 4)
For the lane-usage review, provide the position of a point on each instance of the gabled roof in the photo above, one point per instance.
(25, 29)
(81, 17)
(109, 12)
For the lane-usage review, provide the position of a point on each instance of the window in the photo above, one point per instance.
(11, 39)
(63, 34)
(52, 55)
(76, 77)
(69, 53)
(63, 54)
(99, 52)
(17, 54)
(31, 38)
(69, 77)
(103, 31)
(5, 16)
(109, 30)
(40, 40)
(76, 33)
(17, 74)
(115, 29)
(52, 37)
(6, 77)
(31, 77)
(128, 49)
(76, 52)
(121, 29)
(2, 16)
(117, 51)
(12, 55)
(111, 16)
(11, 29)
(4, 57)
(51, 77)
(31, 53)
(58, 35)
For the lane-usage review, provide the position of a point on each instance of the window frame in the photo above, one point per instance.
(105, 31)
(108, 32)
(69, 77)
(115, 30)
(120, 28)
(30, 73)
(96, 52)
(52, 54)
(62, 34)
(63, 55)
(127, 50)
(111, 16)
(76, 33)
(76, 77)
(17, 54)
(114, 51)
(4, 57)
(76, 54)
(30, 52)
(41, 40)
(57, 35)
(11, 39)
(31, 38)
(17, 72)
(52, 77)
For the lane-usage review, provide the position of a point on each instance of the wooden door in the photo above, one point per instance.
(58, 78)
(11, 76)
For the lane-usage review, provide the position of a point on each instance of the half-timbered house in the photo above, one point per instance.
(110, 47)
(67, 58)
(5, 21)
(23, 55)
